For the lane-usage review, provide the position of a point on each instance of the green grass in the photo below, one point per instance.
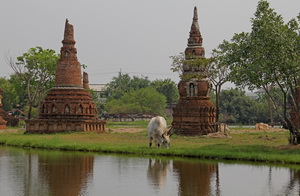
(246, 146)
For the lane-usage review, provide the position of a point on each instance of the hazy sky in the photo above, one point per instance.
(134, 36)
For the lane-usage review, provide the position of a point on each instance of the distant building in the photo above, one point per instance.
(100, 90)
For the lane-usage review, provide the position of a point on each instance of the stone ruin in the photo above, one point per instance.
(194, 114)
(5, 118)
(68, 106)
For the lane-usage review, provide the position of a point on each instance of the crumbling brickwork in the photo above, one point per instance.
(194, 114)
(68, 106)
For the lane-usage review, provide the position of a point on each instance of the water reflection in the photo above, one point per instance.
(36, 172)
(66, 175)
(31, 172)
(196, 178)
(293, 184)
(157, 172)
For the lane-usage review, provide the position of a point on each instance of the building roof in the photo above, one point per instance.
(98, 87)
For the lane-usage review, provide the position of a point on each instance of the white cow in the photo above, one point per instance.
(158, 131)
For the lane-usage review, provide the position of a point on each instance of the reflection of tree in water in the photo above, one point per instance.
(66, 174)
(293, 184)
(196, 178)
(157, 172)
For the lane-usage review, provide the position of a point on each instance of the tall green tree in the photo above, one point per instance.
(36, 69)
(267, 57)
(10, 95)
(168, 88)
(236, 107)
(123, 84)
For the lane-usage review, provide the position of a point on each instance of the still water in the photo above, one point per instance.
(30, 172)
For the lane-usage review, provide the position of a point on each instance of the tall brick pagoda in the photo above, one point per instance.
(68, 106)
(194, 114)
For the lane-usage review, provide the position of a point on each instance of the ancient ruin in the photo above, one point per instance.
(68, 106)
(194, 114)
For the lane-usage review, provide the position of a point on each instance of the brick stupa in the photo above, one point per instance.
(68, 106)
(194, 114)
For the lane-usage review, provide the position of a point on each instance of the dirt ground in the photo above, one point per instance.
(125, 130)
(8, 130)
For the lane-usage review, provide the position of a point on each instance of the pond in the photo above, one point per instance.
(45, 172)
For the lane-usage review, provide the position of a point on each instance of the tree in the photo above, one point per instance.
(266, 57)
(219, 72)
(123, 84)
(236, 107)
(144, 100)
(168, 88)
(36, 69)
(201, 64)
(10, 95)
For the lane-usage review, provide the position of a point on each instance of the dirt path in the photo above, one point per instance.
(125, 130)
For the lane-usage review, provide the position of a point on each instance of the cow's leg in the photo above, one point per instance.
(150, 141)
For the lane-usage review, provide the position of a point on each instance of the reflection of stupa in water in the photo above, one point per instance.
(195, 178)
(66, 174)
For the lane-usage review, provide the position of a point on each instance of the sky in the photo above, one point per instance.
(132, 36)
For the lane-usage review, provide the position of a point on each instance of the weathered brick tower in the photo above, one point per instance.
(68, 106)
(194, 114)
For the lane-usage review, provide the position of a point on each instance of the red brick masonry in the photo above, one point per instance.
(68, 106)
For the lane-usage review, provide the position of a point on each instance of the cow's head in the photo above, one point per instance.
(166, 138)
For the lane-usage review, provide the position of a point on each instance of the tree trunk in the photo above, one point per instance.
(271, 112)
(217, 105)
(29, 111)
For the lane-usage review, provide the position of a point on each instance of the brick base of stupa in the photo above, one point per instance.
(64, 125)
(81, 115)
(194, 117)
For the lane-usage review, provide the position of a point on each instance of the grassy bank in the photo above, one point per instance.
(244, 144)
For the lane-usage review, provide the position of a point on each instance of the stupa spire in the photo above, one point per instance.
(194, 45)
(195, 18)
(68, 34)
(68, 69)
